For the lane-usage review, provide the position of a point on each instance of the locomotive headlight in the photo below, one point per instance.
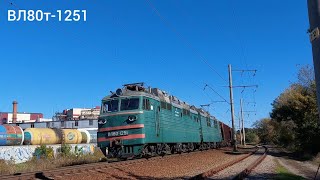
(132, 118)
(102, 121)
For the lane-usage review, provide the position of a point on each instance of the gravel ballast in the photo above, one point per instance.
(170, 167)
(265, 170)
(234, 170)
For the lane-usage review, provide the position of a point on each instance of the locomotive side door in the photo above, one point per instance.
(157, 120)
(200, 128)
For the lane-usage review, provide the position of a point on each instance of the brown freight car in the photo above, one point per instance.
(226, 134)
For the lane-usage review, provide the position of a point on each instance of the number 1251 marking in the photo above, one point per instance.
(74, 15)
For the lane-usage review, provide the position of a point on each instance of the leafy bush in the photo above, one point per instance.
(252, 137)
(44, 152)
(65, 150)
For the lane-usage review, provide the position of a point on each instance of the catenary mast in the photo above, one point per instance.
(314, 20)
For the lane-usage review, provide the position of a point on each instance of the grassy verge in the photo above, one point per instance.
(284, 174)
(49, 163)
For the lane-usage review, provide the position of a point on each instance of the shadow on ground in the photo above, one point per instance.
(279, 152)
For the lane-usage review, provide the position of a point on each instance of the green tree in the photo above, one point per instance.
(266, 130)
(251, 136)
(296, 115)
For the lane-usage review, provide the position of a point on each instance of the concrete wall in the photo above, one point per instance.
(20, 154)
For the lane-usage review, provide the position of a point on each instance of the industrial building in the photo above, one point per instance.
(20, 117)
(79, 124)
(7, 117)
(70, 118)
(78, 114)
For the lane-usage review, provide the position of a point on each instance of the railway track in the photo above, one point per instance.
(63, 172)
(211, 174)
(70, 171)
(248, 170)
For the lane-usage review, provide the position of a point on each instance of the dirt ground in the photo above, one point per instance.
(268, 168)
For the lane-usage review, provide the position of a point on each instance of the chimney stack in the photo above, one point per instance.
(15, 111)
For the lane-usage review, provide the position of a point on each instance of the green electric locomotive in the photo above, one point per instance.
(139, 122)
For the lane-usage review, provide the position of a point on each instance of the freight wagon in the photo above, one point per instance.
(46, 136)
(11, 135)
(138, 121)
(226, 133)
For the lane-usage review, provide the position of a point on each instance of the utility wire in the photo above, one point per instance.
(205, 93)
(206, 85)
(242, 46)
(184, 40)
(188, 44)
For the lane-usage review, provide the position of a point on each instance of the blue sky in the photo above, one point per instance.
(51, 66)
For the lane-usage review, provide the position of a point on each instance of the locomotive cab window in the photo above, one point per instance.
(111, 106)
(146, 104)
(129, 104)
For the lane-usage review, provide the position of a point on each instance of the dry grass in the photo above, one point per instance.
(45, 164)
(6, 167)
(284, 174)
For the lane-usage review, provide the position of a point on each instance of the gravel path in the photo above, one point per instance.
(176, 167)
(233, 171)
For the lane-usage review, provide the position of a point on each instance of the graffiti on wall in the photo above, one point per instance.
(20, 154)
(88, 149)
(16, 154)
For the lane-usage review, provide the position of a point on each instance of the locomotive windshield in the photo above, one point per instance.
(129, 104)
(111, 106)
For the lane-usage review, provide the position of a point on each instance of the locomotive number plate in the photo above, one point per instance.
(117, 133)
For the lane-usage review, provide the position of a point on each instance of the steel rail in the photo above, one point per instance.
(253, 165)
(211, 172)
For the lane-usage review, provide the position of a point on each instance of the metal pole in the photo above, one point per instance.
(234, 140)
(243, 131)
(314, 20)
(240, 128)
